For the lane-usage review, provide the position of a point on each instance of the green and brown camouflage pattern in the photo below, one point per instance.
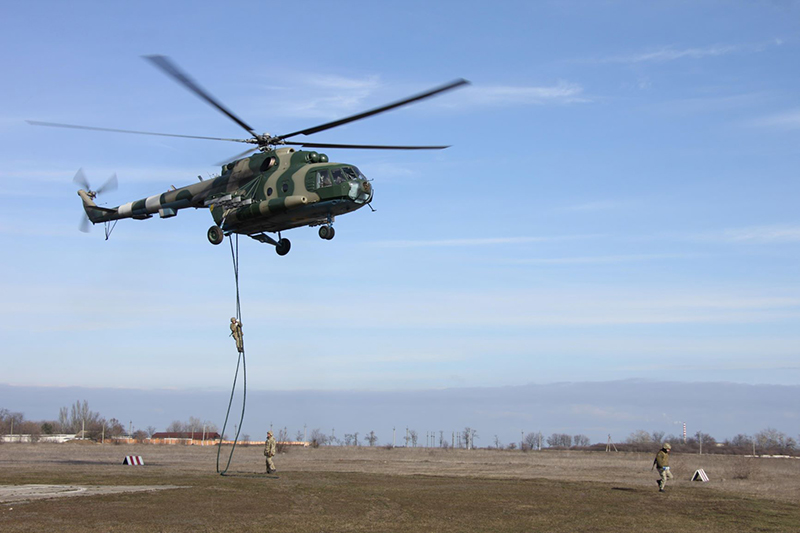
(270, 191)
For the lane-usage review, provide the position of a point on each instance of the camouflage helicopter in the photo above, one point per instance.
(277, 189)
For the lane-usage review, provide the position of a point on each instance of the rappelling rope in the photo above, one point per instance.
(241, 361)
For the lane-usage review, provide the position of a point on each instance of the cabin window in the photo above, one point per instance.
(269, 191)
(285, 186)
(323, 178)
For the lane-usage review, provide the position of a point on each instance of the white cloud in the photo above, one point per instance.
(562, 92)
(785, 120)
(774, 234)
(671, 54)
(593, 260)
(480, 241)
(599, 205)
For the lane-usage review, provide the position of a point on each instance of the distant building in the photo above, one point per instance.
(37, 438)
(184, 437)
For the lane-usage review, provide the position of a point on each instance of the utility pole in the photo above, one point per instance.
(393, 437)
(304, 434)
(521, 439)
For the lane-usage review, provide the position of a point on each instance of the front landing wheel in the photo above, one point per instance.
(215, 235)
(326, 232)
(283, 247)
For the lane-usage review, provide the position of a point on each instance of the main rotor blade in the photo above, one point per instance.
(366, 146)
(340, 122)
(171, 69)
(234, 158)
(77, 127)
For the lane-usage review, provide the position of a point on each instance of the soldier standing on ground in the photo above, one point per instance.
(236, 333)
(661, 462)
(270, 447)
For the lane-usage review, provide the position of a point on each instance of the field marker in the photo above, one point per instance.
(134, 460)
(700, 475)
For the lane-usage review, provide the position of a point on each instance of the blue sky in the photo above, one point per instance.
(619, 201)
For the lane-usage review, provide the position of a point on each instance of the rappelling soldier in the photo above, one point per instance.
(270, 448)
(236, 333)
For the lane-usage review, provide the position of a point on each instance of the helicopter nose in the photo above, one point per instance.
(360, 192)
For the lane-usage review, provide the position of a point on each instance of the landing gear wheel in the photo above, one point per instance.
(283, 247)
(215, 235)
(327, 232)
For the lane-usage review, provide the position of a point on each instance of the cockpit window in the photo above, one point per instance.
(338, 175)
(334, 176)
(353, 173)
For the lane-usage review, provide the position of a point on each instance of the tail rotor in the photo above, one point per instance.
(109, 185)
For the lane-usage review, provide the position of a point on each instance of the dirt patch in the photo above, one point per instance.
(26, 493)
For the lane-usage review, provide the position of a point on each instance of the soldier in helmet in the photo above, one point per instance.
(270, 447)
(661, 463)
(236, 333)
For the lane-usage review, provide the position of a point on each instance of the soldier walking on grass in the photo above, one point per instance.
(270, 447)
(661, 463)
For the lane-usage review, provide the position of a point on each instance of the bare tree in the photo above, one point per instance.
(658, 436)
(413, 434)
(580, 441)
(559, 440)
(150, 431)
(531, 440)
(372, 438)
(771, 440)
(497, 443)
(176, 426)
(318, 438)
(639, 436)
(348, 439)
(469, 437)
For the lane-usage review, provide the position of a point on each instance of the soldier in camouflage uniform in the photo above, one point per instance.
(236, 333)
(661, 462)
(270, 448)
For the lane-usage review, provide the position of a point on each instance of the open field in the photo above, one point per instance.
(377, 489)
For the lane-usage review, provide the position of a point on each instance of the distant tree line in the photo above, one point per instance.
(80, 420)
(768, 441)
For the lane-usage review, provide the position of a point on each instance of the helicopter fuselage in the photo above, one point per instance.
(270, 191)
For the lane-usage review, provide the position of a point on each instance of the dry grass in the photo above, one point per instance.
(375, 489)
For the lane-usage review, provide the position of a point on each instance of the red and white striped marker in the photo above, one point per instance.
(135, 460)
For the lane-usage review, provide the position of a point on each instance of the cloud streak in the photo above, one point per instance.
(672, 53)
(562, 92)
(478, 242)
(772, 234)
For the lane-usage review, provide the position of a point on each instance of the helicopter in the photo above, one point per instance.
(271, 191)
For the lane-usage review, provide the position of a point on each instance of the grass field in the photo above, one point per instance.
(376, 489)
